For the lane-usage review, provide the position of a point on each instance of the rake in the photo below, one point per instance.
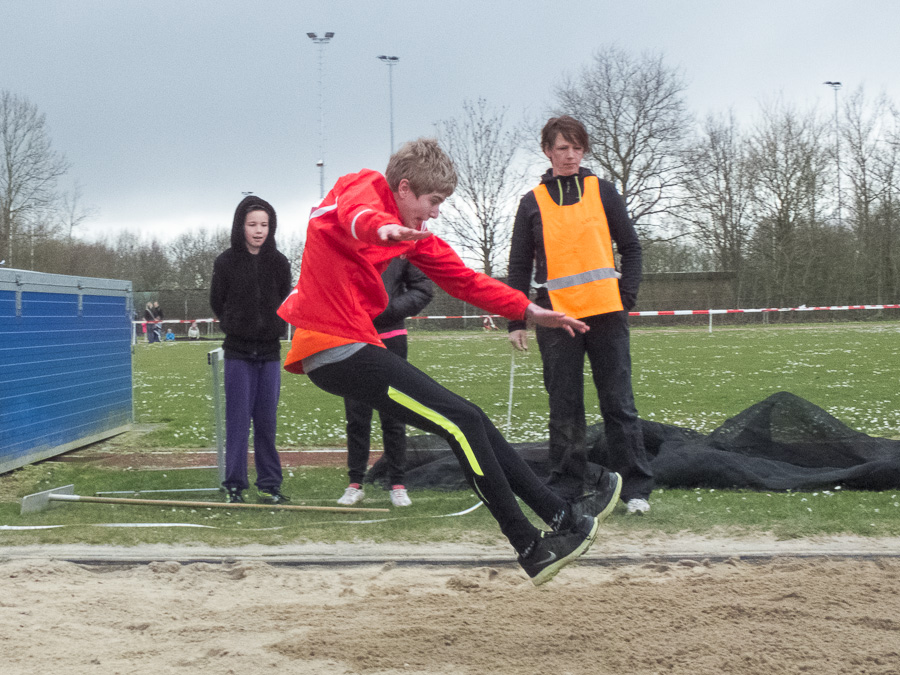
(41, 500)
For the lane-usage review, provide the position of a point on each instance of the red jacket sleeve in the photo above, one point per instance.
(364, 203)
(435, 258)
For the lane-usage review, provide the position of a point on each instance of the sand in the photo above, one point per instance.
(644, 607)
(636, 605)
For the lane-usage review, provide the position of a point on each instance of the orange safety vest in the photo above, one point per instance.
(581, 269)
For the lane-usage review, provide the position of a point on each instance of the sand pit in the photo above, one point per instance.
(780, 615)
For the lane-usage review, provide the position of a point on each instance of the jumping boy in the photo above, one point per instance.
(365, 221)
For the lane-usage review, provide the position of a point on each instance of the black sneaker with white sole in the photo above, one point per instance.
(555, 550)
(601, 502)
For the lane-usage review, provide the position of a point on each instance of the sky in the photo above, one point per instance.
(169, 110)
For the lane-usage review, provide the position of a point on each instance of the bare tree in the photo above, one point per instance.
(192, 256)
(33, 233)
(634, 110)
(153, 271)
(72, 211)
(866, 132)
(479, 214)
(29, 168)
(293, 247)
(719, 185)
(790, 160)
(60, 255)
(888, 170)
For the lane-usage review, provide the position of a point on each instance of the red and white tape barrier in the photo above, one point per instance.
(801, 308)
(669, 312)
(699, 312)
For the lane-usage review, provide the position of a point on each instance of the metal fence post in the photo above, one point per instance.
(214, 358)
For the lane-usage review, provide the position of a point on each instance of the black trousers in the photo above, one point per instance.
(494, 470)
(359, 428)
(607, 346)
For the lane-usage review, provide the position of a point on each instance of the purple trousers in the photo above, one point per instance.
(252, 389)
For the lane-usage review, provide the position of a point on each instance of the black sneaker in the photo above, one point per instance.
(272, 495)
(234, 496)
(555, 550)
(601, 503)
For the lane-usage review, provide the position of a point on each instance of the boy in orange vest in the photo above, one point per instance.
(564, 232)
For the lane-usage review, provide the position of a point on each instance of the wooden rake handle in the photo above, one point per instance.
(215, 505)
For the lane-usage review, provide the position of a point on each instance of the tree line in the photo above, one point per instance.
(797, 205)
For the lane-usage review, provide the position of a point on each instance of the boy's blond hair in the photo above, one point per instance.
(427, 168)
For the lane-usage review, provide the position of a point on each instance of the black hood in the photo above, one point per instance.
(548, 177)
(252, 203)
(570, 187)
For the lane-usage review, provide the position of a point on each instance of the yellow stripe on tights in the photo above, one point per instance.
(442, 422)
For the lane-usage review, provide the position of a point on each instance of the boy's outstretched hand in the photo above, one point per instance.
(391, 233)
(551, 319)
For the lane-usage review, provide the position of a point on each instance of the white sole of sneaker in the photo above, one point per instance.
(604, 514)
(551, 571)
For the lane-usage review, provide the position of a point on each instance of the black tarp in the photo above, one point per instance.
(781, 443)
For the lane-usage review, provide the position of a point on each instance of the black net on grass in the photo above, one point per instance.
(781, 443)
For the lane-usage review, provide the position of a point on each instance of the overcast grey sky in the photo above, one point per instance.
(169, 109)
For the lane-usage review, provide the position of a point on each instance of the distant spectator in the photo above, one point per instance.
(152, 327)
(157, 327)
(194, 332)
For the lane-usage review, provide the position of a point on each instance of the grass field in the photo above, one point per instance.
(686, 377)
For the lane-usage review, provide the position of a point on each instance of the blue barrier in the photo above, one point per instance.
(65, 363)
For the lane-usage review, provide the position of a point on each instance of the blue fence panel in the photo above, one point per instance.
(65, 363)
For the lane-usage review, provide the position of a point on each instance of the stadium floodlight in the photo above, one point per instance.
(391, 61)
(321, 42)
(837, 149)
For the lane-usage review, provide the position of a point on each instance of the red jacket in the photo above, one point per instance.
(340, 289)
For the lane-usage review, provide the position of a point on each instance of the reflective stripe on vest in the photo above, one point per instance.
(581, 274)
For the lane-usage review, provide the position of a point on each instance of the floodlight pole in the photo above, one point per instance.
(321, 42)
(391, 61)
(837, 149)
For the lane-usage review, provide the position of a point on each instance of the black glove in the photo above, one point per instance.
(629, 300)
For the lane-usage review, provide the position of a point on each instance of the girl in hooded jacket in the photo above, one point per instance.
(250, 281)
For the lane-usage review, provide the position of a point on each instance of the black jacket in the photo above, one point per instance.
(526, 253)
(409, 291)
(247, 290)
